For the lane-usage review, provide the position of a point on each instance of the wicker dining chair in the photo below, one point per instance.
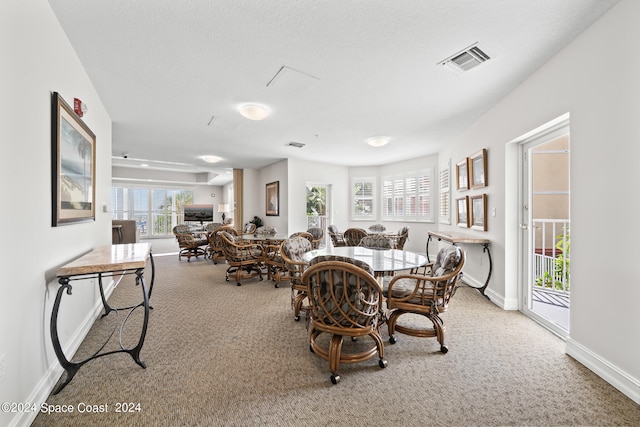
(401, 238)
(345, 300)
(318, 235)
(245, 259)
(215, 251)
(425, 294)
(352, 236)
(291, 251)
(337, 238)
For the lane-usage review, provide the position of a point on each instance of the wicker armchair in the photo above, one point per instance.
(377, 228)
(352, 236)
(344, 300)
(245, 259)
(190, 246)
(425, 294)
(318, 236)
(249, 228)
(401, 238)
(337, 238)
(215, 250)
(212, 226)
(304, 234)
(377, 241)
(266, 230)
(291, 251)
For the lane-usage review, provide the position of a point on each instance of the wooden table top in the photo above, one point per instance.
(108, 258)
(458, 238)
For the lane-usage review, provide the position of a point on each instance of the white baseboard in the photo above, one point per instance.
(499, 300)
(48, 381)
(624, 382)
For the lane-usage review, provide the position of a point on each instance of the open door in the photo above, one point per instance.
(546, 224)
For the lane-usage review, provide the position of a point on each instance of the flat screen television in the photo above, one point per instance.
(199, 213)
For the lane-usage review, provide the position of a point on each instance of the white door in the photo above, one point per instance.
(545, 227)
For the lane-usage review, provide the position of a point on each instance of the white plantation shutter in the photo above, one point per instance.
(407, 197)
(445, 196)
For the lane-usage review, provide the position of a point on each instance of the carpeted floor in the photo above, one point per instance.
(222, 355)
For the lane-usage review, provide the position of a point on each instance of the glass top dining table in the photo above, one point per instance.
(380, 260)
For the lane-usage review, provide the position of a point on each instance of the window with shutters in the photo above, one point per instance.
(362, 191)
(407, 196)
(445, 196)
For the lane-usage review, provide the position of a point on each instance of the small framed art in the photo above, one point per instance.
(462, 209)
(73, 166)
(273, 198)
(462, 175)
(478, 206)
(478, 169)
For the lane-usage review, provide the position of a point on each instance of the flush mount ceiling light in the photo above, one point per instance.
(254, 111)
(211, 159)
(378, 141)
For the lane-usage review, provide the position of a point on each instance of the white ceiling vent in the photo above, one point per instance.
(466, 59)
(295, 144)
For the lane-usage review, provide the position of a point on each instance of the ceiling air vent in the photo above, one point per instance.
(466, 59)
(295, 144)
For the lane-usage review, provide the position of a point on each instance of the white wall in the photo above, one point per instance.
(300, 173)
(41, 61)
(595, 79)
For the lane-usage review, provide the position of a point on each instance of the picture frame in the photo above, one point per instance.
(478, 169)
(462, 212)
(272, 202)
(73, 166)
(478, 206)
(462, 175)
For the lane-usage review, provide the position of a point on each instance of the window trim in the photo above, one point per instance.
(364, 180)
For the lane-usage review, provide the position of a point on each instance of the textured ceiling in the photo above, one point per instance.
(354, 69)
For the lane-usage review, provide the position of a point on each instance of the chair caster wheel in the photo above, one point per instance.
(296, 318)
(238, 284)
(444, 349)
(383, 363)
(311, 349)
(392, 340)
(335, 379)
(275, 285)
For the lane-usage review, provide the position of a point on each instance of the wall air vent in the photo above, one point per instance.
(295, 144)
(466, 59)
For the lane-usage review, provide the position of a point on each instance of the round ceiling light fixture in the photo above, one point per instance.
(254, 111)
(211, 159)
(378, 141)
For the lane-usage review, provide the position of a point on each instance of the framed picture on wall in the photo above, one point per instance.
(478, 206)
(462, 175)
(462, 209)
(273, 198)
(478, 169)
(73, 166)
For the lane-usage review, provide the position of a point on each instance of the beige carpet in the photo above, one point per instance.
(222, 355)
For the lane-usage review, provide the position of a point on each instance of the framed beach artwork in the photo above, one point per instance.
(478, 206)
(478, 169)
(273, 198)
(462, 209)
(73, 166)
(462, 175)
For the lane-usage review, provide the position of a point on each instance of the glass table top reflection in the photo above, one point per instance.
(380, 260)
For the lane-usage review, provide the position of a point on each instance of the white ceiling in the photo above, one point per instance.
(354, 69)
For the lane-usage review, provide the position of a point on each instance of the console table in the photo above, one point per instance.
(455, 238)
(104, 261)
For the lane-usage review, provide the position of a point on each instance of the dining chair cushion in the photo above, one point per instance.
(446, 262)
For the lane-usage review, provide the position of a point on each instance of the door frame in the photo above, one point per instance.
(515, 269)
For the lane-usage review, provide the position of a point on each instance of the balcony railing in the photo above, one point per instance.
(551, 261)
